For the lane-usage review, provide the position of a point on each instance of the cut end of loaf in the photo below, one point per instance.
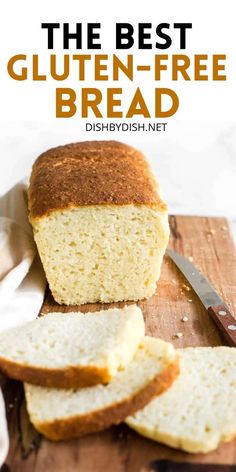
(102, 253)
(99, 221)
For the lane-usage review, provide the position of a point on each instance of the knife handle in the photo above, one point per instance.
(225, 322)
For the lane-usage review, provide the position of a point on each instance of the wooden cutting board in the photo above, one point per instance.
(207, 241)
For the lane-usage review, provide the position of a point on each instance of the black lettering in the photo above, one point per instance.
(182, 27)
(164, 36)
(92, 35)
(67, 36)
(142, 36)
(124, 39)
(50, 27)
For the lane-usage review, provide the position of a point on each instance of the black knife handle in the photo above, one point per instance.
(170, 466)
(225, 322)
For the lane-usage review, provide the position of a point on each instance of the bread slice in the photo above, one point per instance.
(64, 414)
(74, 349)
(99, 222)
(199, 410)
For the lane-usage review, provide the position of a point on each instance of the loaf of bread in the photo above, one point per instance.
(63, 414)
(199, 410)
(99, 222)
(72, 350)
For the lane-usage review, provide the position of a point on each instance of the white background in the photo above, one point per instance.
(194, 159)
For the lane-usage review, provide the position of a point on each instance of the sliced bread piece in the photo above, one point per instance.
(199, 410)
(72, 350)
(64, 414)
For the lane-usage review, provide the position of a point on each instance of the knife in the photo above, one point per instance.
(172, 466)
(215, 306)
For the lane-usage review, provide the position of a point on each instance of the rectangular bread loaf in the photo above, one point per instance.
(99, 222)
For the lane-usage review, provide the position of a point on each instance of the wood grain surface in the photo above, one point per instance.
(206, 241)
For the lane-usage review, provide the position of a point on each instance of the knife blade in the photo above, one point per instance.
(210, 299)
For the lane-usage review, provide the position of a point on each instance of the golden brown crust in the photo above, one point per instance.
(71, 377)
(91, 173)
(101, 419)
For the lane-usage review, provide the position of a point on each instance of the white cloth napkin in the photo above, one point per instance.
(22, 280)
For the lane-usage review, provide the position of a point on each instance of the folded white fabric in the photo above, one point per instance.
(22, 280)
